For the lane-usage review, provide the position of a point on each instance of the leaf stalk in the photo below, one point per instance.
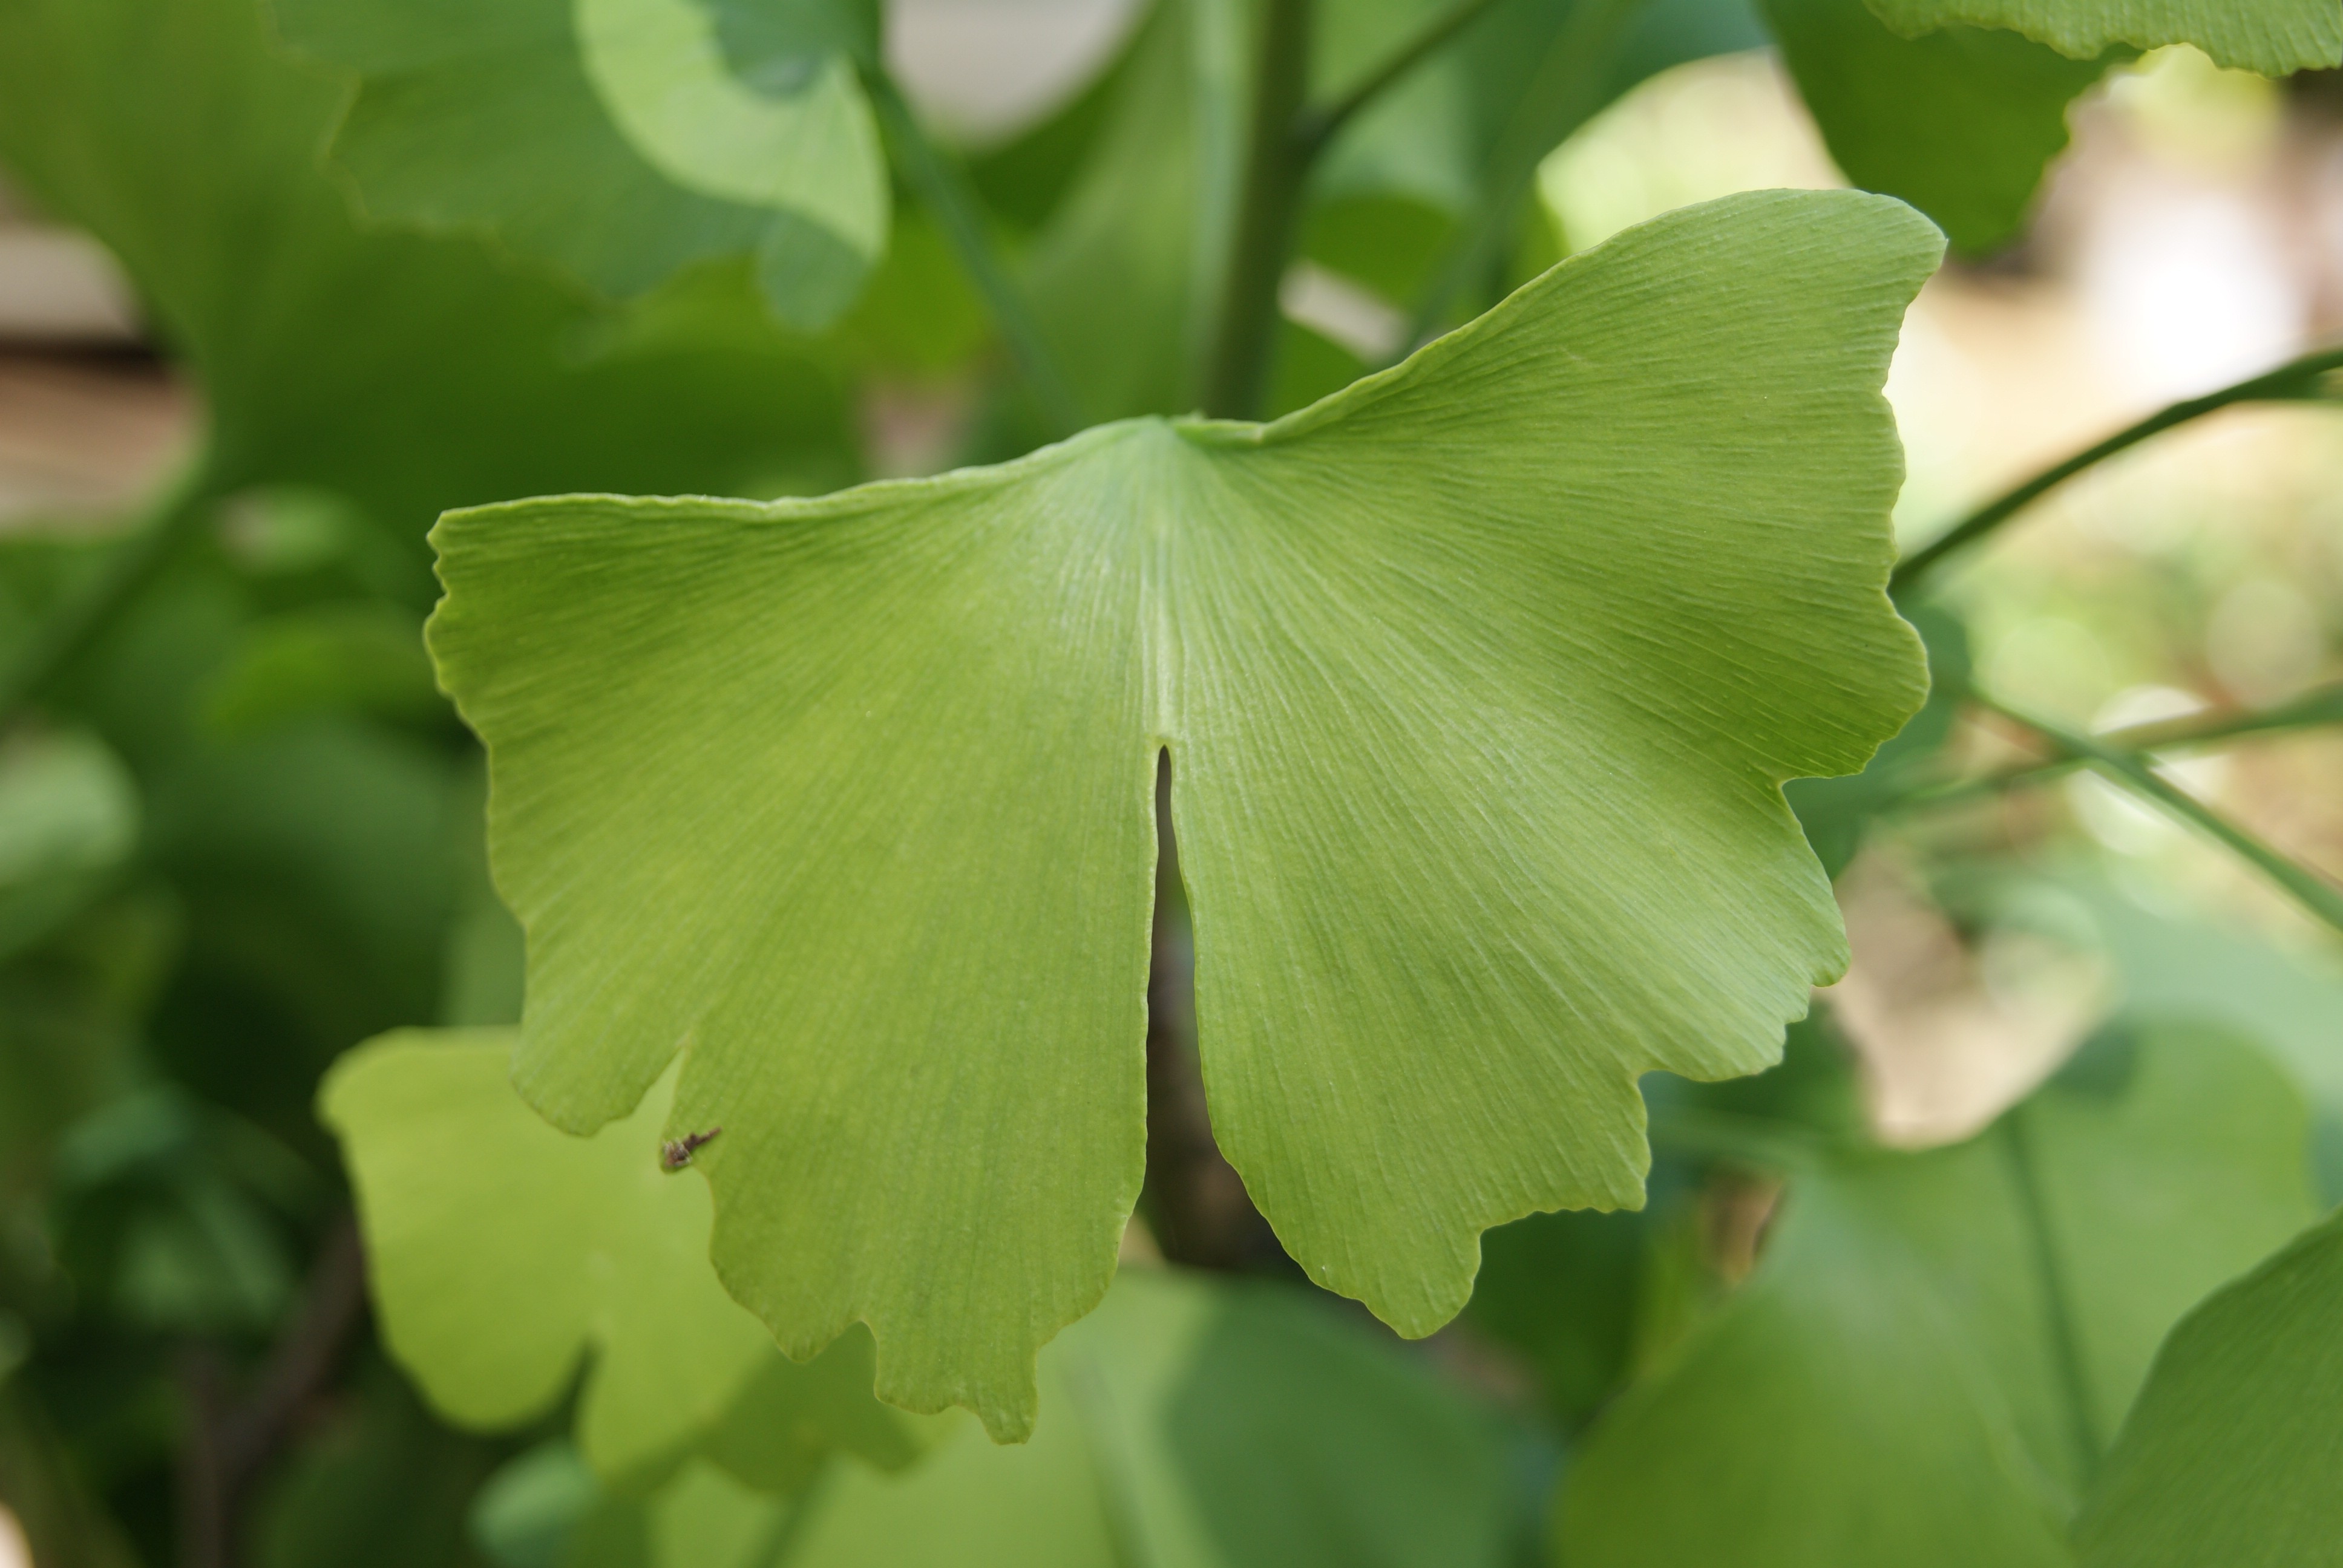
(1236, 377)
(2297, 381)
(2133, 773)
(943, 187)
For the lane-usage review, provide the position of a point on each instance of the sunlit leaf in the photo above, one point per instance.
(504, 1252)
(616, 138)
(2272, 36)
(68, 819)
(853, 796)
(1891, 1385)
(2231, 1454)
(1959, 122)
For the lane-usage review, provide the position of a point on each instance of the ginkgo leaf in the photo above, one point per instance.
(617, 139)
(1959, 122)
(1479, 680)
(2272, 36)
(502, 1252)
(1936, 1345)
(2232, 1452)
(403, 372)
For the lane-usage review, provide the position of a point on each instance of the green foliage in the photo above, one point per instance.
(2272, 36)
(1186, 1423)
(407, 374)
(504, 1252)
(1959, 121)
(619, 139)
(822, 881)
(1928, 1360)
(2231, 1452)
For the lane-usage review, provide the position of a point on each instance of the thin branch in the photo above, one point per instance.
(1318, 126)
(1236, 376)
(2301, 381)
(2314, 892)
(2313, 708)
(1562, 96)
(2058, 1306)
(68, 634)
(944, 187)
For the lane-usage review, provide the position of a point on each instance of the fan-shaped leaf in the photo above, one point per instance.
(1479, 681)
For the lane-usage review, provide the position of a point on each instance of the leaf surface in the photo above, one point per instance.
(1479, 680)
(2272, 36)
(612, 138)
(1888, 1388)
(2232, 1452)
(503, 1252)
(1959, 122)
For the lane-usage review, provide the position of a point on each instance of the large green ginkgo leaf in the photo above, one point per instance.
(1936, 1345)
(1959, 121)
(502, 1251)
(2272, 36)
(619, 139)
(1479, 681)
(2233, 1452)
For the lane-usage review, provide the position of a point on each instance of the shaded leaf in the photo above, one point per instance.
(2272, 36)
(855, 794)
(1189, 1424)
(1959, 122)
(2230, 1456)
(405, 373)
(502, 1252)
(613, 138)
(68, 820)
(1890, 1386)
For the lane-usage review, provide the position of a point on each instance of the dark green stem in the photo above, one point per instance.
(2057, 1307)
(1318, 126)
(945, 190)
(2323, 706)
(1236, 376)
(69, 633)
(2299, 381)
(1566, 91)
(2314, 892)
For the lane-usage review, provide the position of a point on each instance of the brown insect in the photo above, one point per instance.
(676, 1152)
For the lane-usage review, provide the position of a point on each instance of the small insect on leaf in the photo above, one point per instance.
(677, 1153)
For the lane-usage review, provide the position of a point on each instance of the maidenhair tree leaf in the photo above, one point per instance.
(613, 137)
(1889, 1388)
(1188, 1423)
(502, 1252)
(1479, 680)
(2272, 36)
(405, 373)
(2232, 1452)
(1959, 121)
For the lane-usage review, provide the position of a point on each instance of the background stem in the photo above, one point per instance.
(943, 188)
(2297, 381)
(2066, 1340)
(1236, 376)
